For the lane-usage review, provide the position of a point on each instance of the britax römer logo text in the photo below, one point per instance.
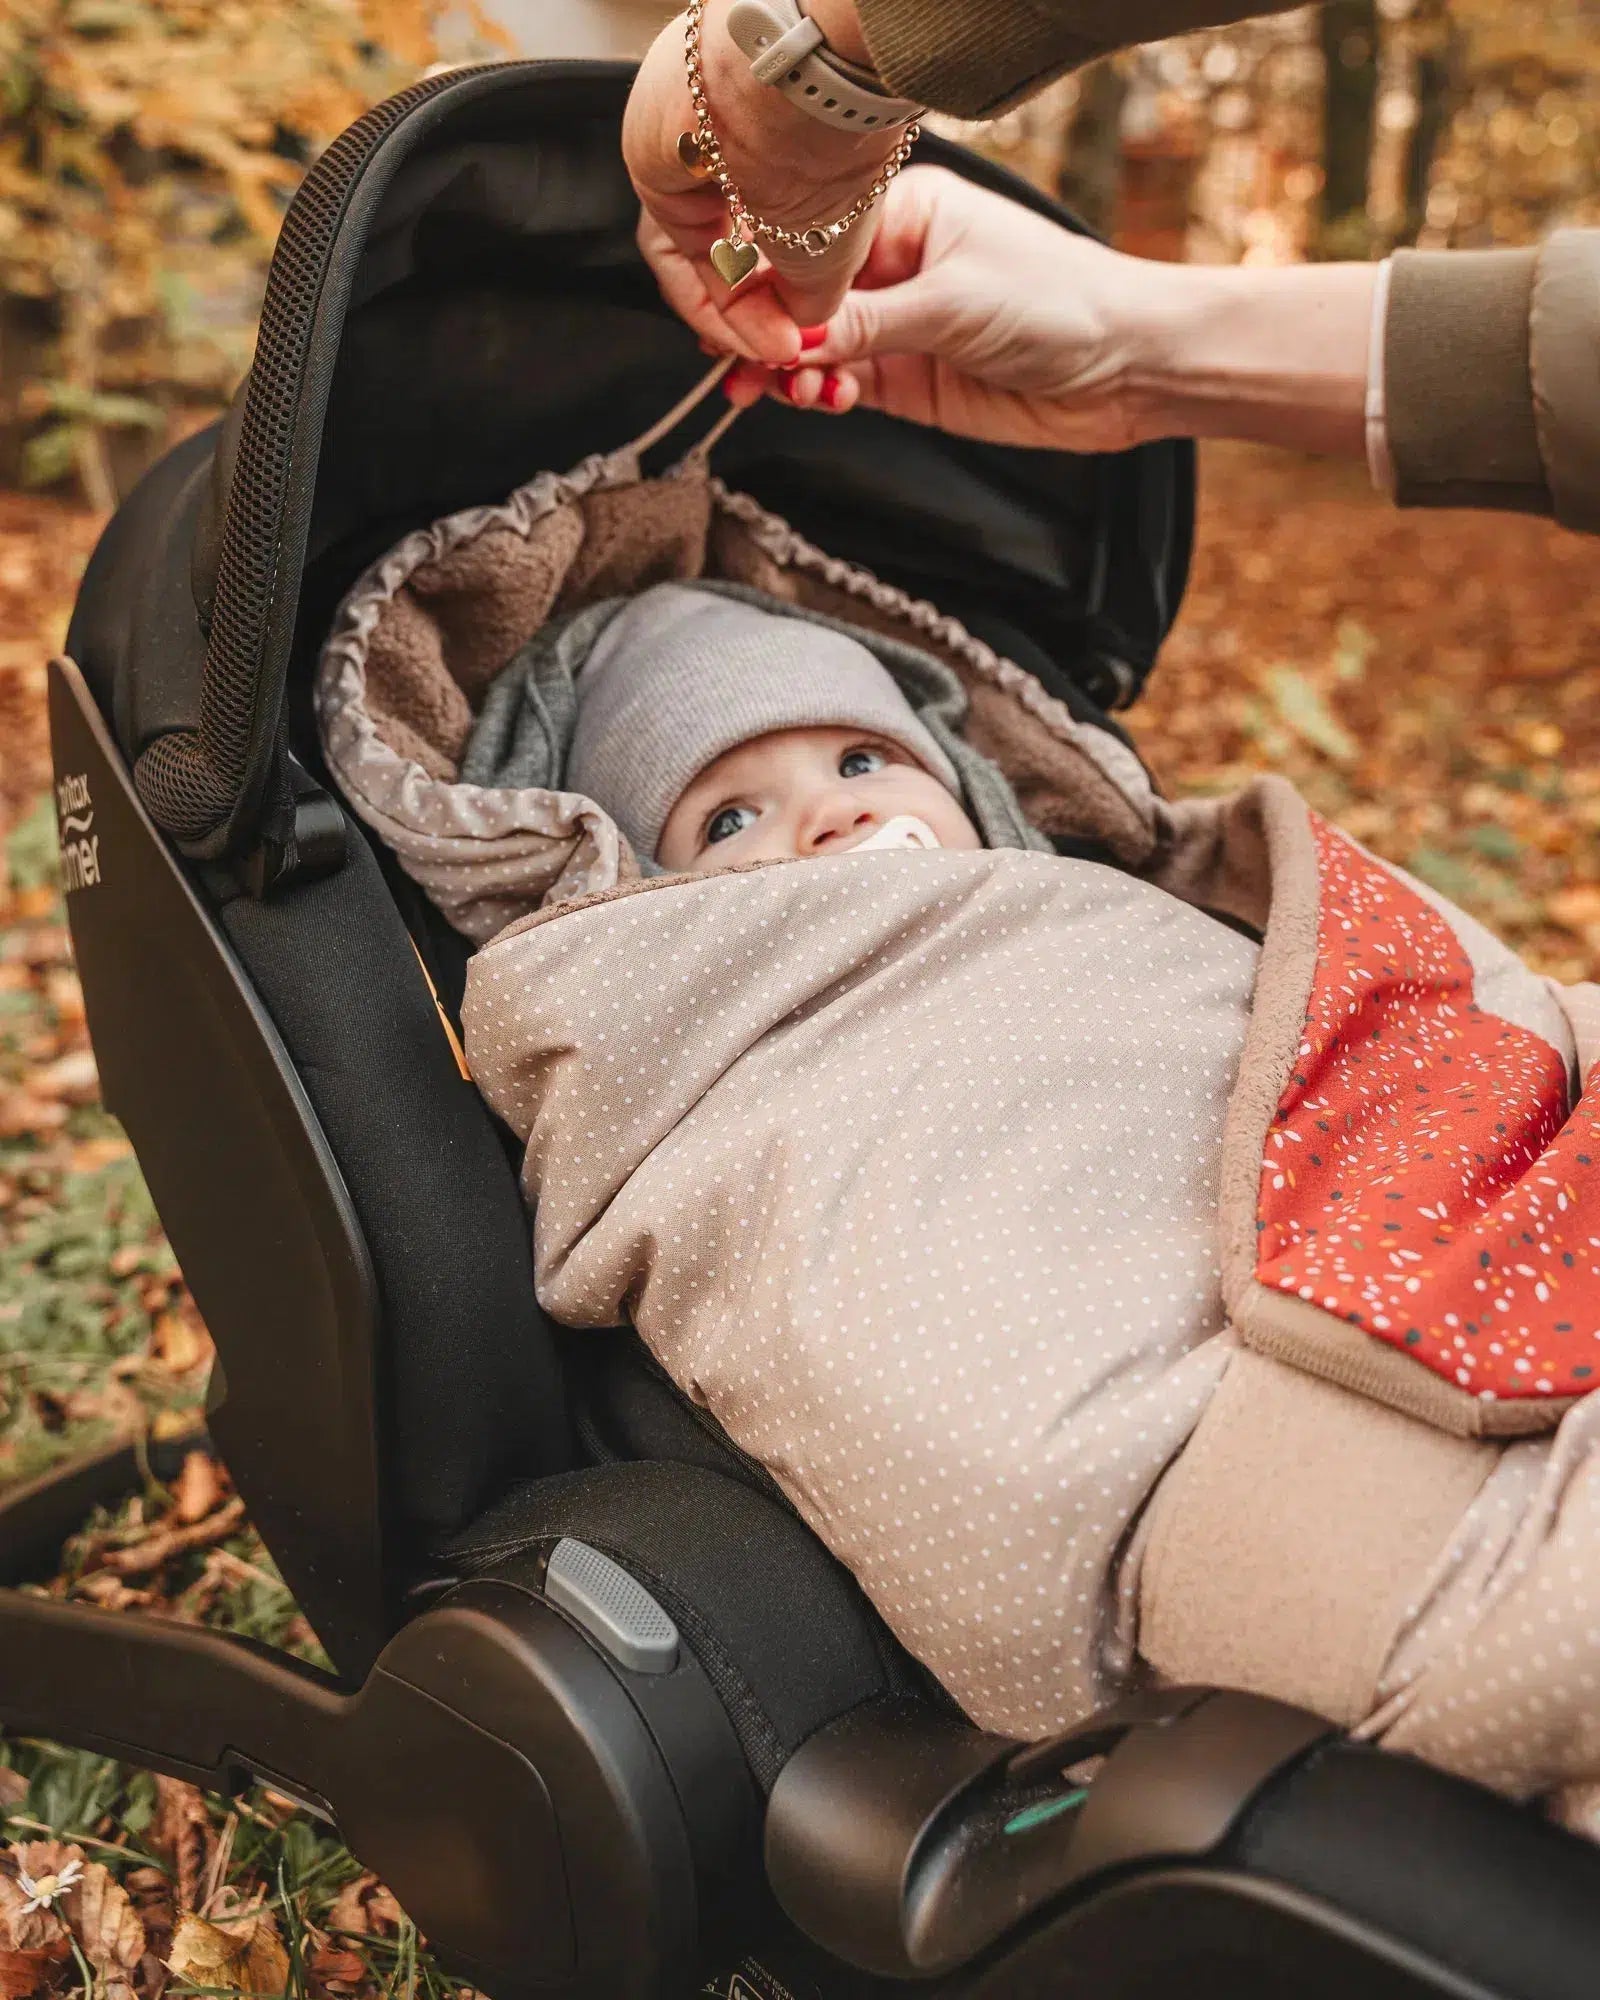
(80, 844)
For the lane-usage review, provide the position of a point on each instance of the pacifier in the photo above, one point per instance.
(903, 831)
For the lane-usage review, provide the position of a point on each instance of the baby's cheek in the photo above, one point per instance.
(943, 813)
(963, 833)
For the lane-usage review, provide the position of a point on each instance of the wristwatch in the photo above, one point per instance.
(787, 49)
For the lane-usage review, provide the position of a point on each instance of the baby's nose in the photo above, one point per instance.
(838, 822)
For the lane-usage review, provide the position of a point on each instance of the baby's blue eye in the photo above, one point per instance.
(861, 763)
(725, 824)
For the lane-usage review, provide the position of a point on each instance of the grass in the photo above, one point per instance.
(100, 1340)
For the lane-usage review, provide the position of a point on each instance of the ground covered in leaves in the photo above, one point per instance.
(1431, 681)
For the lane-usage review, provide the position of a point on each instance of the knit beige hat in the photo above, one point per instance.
(683, 674)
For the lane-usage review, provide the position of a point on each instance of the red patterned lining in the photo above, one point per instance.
(1422, 1178)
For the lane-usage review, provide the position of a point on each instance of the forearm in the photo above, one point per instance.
(976, 58)
(1276, 356)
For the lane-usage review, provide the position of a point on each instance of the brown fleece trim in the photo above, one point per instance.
(1288, 1540)
(1294, 1330)
(1059, 787)
(407, 742)
(1457, 385)
(488, 594)
(1284, 977)
(453, 624)
(636, 536)
(1581, 1005)
(732, 551)
(1564, 364)
(1213, 854)
(409, 685)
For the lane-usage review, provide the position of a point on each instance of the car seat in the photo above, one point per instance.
(607, 1718)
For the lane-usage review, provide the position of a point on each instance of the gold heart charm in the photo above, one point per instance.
(733, 260)
(694, 161)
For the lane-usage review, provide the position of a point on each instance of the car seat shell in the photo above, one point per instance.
(353, 1228)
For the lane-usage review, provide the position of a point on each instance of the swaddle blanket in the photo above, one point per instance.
(906, 1167)
(952, 1184)
(923, 1173)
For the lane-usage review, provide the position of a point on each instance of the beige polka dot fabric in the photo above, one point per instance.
(905, 1166)
(1497, 1675)
(393, 712)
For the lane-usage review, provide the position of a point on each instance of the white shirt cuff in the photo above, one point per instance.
(1379, 464)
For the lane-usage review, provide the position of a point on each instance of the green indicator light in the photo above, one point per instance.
(1032, 1816)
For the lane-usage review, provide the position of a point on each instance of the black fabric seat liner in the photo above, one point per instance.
(474, 1396)
(781, 1627)
(626, 1406)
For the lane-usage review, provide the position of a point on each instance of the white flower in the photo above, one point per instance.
(49, 1888)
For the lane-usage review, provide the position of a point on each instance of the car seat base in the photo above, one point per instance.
(552, 1821)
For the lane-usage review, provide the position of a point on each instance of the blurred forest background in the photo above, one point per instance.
(1430, 680)
(147, 149)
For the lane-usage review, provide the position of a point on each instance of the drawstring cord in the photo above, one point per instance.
(686, 405)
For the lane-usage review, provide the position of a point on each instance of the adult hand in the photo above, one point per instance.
(791, 169)
(974, 314)
(977, 315)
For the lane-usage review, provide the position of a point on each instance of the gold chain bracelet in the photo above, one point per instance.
(735, 257)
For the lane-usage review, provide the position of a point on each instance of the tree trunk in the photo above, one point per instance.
(1438, 44)
(27, 351)
(1349, 30)
(1093, 169)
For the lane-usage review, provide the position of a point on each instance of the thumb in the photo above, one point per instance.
(814, 287)
(898, 319)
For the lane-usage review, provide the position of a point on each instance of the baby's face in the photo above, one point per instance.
(800, 793)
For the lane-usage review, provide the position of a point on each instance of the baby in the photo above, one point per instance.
(717, 734)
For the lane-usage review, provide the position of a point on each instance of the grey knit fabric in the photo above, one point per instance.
(683, 674)
(523, 731)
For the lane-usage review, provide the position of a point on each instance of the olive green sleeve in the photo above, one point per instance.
(976, 58)
(1564, 366)
(1492, 378)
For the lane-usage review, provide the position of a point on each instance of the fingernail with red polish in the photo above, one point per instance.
(831, 394)
(812, 336)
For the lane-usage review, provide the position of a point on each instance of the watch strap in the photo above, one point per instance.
(786, 49)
